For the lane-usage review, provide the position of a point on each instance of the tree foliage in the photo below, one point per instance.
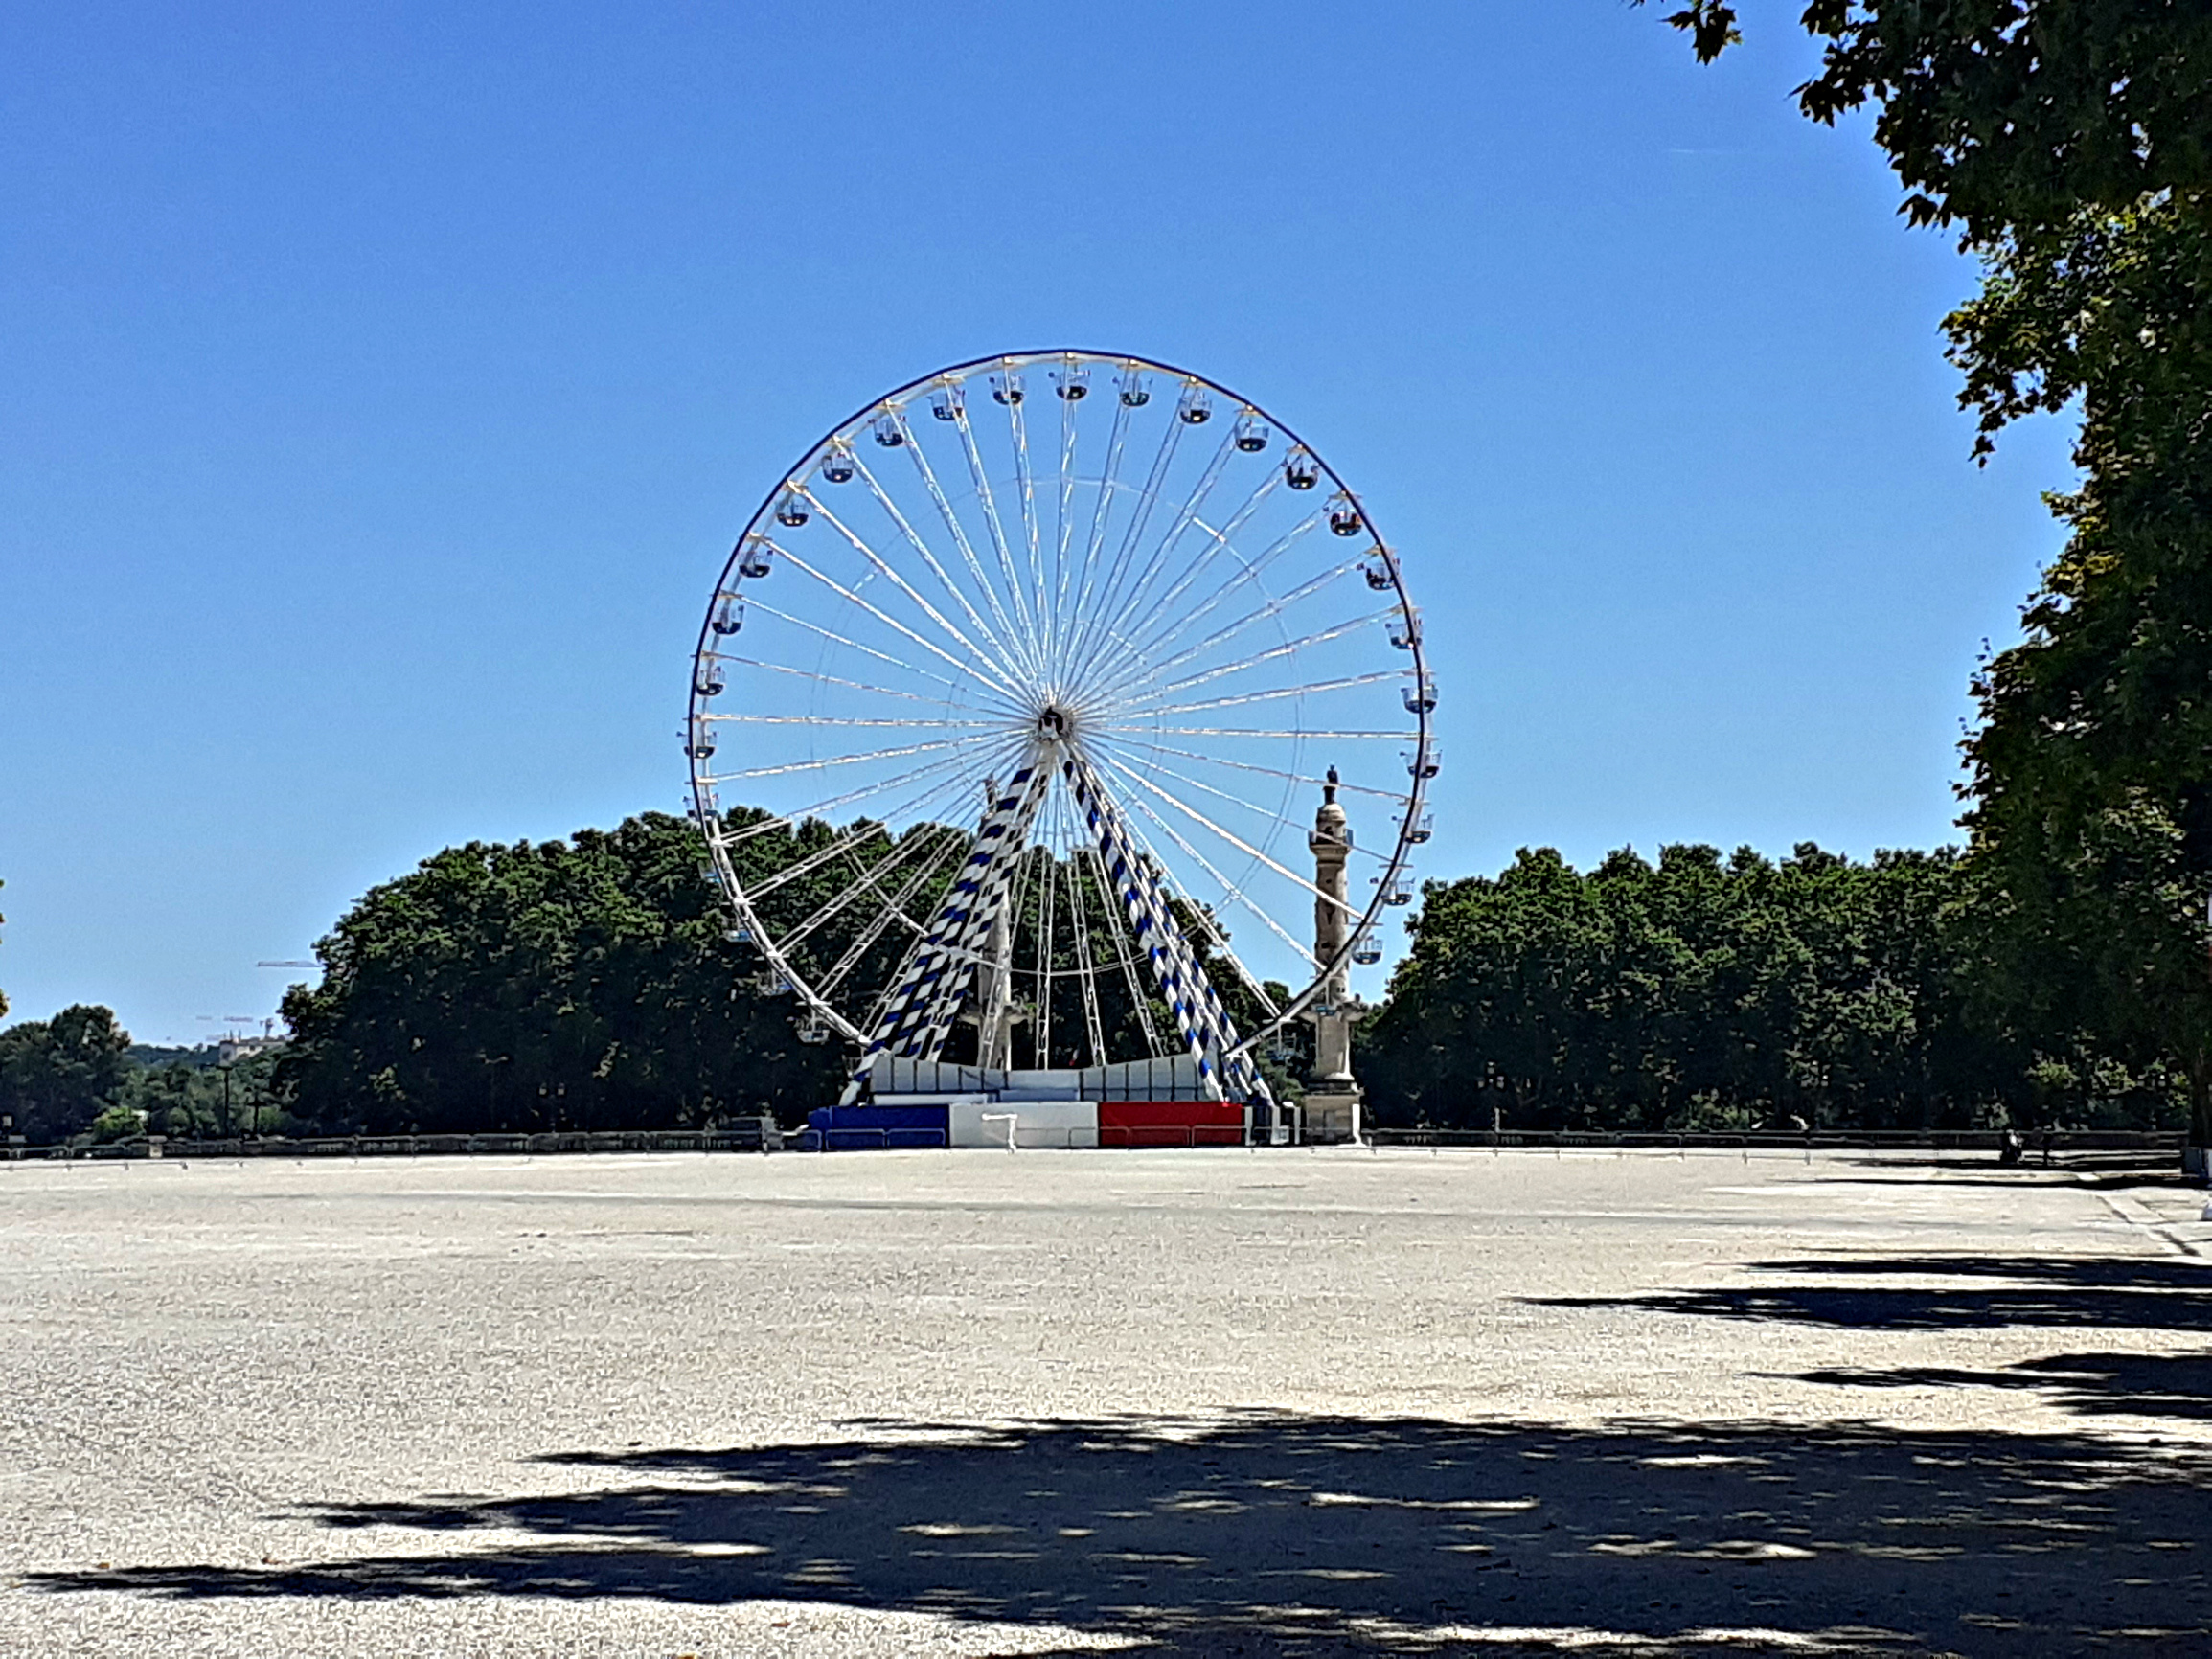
(2010, 116)
(577, 985)
(57, 1075)
(2071, 141)
(2091, 771)
(1702, 992)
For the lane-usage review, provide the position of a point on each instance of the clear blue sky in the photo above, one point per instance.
(382, 386)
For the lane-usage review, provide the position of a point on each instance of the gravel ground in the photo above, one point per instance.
(1187, 1402)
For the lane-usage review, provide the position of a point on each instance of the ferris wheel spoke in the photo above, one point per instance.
(1282, 649)
(1267, 696)
(834, 680)
(1131, 684)
(1017, 424)
(989, 690)
(769, 825)
(1301, 953)
(863, 882)
(1223, 541)
(980, 476)
(1261, 562)
(853, 836)
(890, 574)
(1094, 1028)
(1132, 536)
(896, 911)
(1231, 837)
(822, 764)
(1005, 685)
(1237, 801)
(843, 721)
(1048, 887)
(766, 826)
(1062, 524)
(1130, 740)
(926, 554)
(1124, 598)
(1102, 507)
(1171, 538)
(1123, 668)
(834, 638)
(1138, 999)
(1163, 556)
(927, 473)
(1400, 736)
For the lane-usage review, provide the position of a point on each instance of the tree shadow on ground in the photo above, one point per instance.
(2144, 1293)
(2172, 1385)
(2161, 1169)
(1280, 1533)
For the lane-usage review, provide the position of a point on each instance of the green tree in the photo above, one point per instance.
(195, 1096)
(2070, 142)
(578, 984)
(1700, 990)
(2009, 117)
(2091, 771)
(57, 1076)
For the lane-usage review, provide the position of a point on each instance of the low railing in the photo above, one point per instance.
(757, 1137)
(2034, 1143)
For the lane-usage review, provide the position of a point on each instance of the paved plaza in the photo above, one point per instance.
(1189, 1402)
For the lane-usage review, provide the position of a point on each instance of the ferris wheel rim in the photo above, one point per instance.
(1362, 922)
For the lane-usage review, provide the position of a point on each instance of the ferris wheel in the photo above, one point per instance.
(1011, 709)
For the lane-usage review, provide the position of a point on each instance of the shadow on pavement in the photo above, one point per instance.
(2145, 1293)
(2158, 1168)
(1282, 1534)
(2091, 1384)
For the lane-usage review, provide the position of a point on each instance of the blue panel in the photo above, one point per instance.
(880, 1117)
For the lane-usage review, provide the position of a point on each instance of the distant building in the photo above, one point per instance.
(232, 1050)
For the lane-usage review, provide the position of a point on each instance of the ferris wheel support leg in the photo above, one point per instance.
(917, 1012)
(1225, 1072)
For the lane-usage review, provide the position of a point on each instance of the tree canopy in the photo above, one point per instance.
(1703, 992)
(2010, 116)
(57, 1076)
(2090, 785)
(2071, 143)
(569, 985)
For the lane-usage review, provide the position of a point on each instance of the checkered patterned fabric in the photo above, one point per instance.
(917, 1014)
(1205, 1025)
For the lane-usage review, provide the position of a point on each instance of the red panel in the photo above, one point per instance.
(1170, 1124)
(1174, 1135)
(1180, 1114)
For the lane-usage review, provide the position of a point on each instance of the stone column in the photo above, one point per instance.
(1333, 1099)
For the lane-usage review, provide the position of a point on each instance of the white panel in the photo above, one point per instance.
(1039, 1124)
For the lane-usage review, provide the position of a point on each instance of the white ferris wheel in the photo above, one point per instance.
(1011, 707)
